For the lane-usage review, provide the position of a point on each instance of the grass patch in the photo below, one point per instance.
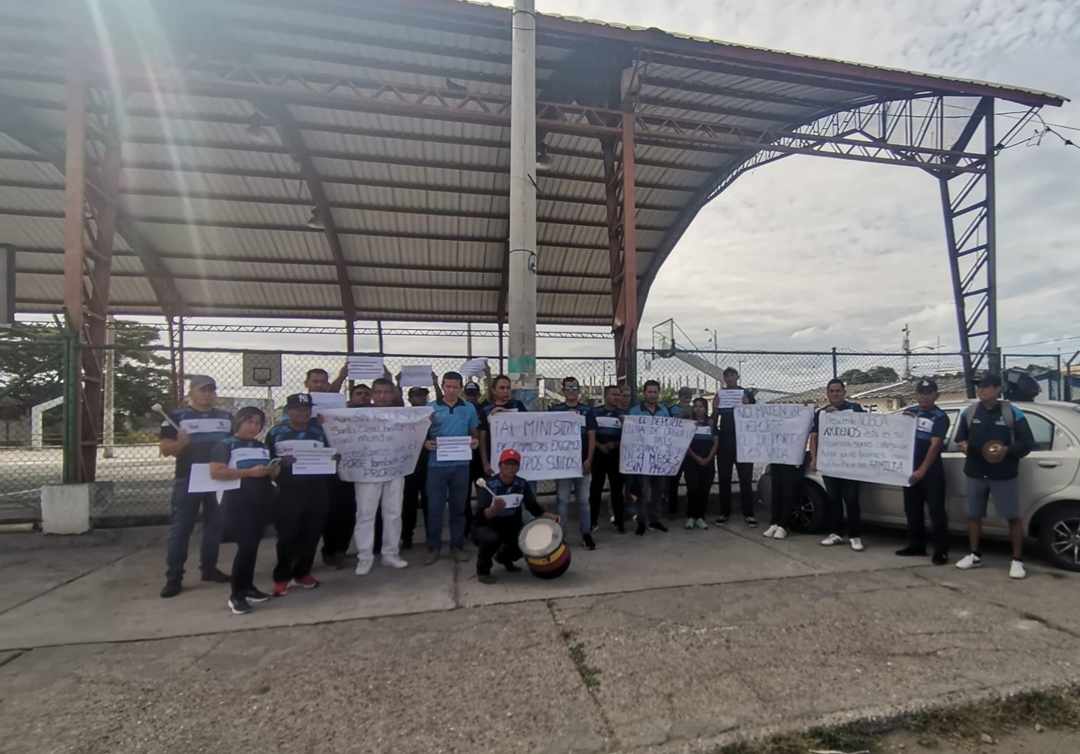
(1050, 709)
(590, 676)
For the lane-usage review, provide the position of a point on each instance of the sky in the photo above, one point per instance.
(810, 253)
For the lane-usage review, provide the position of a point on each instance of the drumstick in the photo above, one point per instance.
(481, 483)
(157, 407)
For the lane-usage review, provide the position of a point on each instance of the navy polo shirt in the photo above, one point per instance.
(928, 425)
(641, 410)
(702, 441)
(207, 428)
(608, 424)
(845, 406)
(458, 420)
(487, 408)
(282, 437)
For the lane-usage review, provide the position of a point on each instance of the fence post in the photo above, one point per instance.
(1060, 381)
(71, 408)
(835, 373)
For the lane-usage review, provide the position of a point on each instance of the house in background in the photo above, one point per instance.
(881, 396)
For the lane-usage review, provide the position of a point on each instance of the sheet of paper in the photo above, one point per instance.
(324, 401)
(312, 461)
(416, 375)
(289, 447)
(729, 398)
(473, 368)
(453, 448)
(366, 367)
(608, 422)
(512, 501)
(200, 481)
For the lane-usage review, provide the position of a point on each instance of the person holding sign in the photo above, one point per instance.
(300, 513)
(994, 435)
(472, 392)
(842, 493)
(498, 517)
(606, 458)
(650, 489)
(927, 488)
(682, 410)
(500, 401)
(578, 486)
(187, 435)
(247, 509)
(727, 455)
(341, 511)
(698, 466)
(373, 498)
(451, 441)
(415, 497)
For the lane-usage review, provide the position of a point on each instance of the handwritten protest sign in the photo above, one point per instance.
(366, 367)
(729, 398)
(654, 445)
(867, 447)
(320, 402)
(772, 432)
(376, 444)
(549, 443)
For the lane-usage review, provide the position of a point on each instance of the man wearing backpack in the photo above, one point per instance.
(993, 435)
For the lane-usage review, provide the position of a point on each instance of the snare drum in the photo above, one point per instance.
(546, 554)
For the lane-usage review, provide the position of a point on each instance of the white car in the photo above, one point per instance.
(1049, 486)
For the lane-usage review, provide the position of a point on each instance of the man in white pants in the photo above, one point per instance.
(371, 497)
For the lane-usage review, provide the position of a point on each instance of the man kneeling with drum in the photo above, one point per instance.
(497, 521)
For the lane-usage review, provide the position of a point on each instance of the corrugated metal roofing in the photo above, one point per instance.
(420, 200)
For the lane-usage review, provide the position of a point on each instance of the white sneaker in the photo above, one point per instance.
(857, 545)
(832, 539)
(780, 533)
(700, 523)
(971, 560)
(689, 523)
(1017, 570)
(770, 531)
(394, 561)
(363, 566)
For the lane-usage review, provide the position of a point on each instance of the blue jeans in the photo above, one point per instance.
(447, 486)
(185, 511)
(579, 488)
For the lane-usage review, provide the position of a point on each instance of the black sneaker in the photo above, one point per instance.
(751, 522)
(215, 576)
(658, 526)
(940, 558)
(254, 595)
(485, 578)
(911, 551)
(406, 544)
(720, 520)
(510, 567)
(239, 606)
(171, 589)
(590, 544)
(620, 528)
(640, 530)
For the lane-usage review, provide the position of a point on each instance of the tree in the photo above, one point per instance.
(873, 374)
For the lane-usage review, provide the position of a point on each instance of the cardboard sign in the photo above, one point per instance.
(867, 447)
(376, 444)
(772, 432)
(549, 442)
(654, 445)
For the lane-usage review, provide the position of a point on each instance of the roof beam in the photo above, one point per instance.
(697, 87)
(723, 110)
(293, 139)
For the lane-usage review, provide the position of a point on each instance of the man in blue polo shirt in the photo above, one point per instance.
(606, 458)
(188, 435)
(578, 486)
(927, 488)
(843, 493)
(448, 479)
(650, 489)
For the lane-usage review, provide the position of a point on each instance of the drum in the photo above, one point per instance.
(994, 451)
(546, 554)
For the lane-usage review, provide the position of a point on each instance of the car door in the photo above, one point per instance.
(1052, 465)
(955, 481)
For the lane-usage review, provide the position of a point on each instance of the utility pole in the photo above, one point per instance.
(521, 288)
(905, 345)
(108, 428)
(715, 357)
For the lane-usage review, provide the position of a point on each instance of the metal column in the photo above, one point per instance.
(521, 289)
(626, 308)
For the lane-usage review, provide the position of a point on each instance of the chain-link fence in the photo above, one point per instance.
(133, 477)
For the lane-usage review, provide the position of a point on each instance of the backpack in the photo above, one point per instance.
(1008, 413)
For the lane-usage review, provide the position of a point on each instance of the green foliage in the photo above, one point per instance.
(873, 374)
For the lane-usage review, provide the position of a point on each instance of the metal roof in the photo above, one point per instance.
(395, 114)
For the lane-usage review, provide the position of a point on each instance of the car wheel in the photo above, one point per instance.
(809, 514)
(1059, 535)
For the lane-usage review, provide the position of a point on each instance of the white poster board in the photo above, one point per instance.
(654, 445)
(772, 432)
(366, 367)
(452, 448)
(320, 402)
(473, 368)
(416, 375)
(549, 442)
(201, 481)
(730, 397)
(377, 444)
(868, 447)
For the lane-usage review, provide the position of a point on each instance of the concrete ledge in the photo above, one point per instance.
(65, 508)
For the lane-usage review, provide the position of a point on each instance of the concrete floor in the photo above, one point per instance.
(670, 643)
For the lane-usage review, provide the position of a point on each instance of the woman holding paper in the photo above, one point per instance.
(698, 467)
(241, 457)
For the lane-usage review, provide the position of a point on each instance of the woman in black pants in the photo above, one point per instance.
(698, 468)
(249, 508)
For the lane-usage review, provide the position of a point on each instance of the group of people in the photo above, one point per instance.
(379, 518)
